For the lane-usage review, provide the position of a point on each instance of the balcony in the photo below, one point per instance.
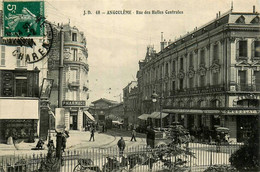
(73, 85)
(248, 87)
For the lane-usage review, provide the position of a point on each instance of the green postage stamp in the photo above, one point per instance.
(23, 18)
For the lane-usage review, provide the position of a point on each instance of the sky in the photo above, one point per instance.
(116, 43)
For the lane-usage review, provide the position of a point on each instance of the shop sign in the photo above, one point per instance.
(241, 111)
(73, 103)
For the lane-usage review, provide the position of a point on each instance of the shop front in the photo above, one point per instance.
(74, 114)
(19, 118)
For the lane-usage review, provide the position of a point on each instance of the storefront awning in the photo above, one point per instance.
(144, 116)
(157, 115)
(183, 111)
(89, 116)
(19, 108)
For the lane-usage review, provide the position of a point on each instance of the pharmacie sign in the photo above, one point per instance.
(73, 103)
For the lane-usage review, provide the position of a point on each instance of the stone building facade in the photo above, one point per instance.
(75, 75)
(209, 77)
(131, 105)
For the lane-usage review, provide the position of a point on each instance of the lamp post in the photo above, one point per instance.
(155, 97)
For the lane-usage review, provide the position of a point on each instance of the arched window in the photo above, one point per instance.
(215, 103)
(202, 103)
(190, 104)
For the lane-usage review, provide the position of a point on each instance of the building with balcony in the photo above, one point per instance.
(209, 77)
(75, 75)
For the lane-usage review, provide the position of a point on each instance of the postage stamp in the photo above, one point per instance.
(23, 18)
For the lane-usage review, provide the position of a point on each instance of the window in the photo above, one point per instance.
(191, 82)
(21, 56)
(202, 56)
(2, 56)
(257, 49)
(202, 80)
(191, 60)
(215, 52)
(242, 48)
(21, 86)
(74, 36)
(173, 67)
(167, 70)
(181, 64)
(181, 84)
(215, 78)
(248, 103)
(215, 103)
(242, 79)
(173, 85)
(75, 54)
(257, 80)
(73, 75)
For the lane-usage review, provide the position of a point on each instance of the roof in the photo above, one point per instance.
(111, 102)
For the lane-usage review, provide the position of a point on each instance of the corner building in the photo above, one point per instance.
(209, 77)
(75, 75)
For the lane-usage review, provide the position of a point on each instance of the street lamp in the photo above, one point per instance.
(154, 97)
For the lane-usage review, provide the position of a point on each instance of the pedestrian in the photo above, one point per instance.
(121, 146)
(92, 134)
(133, 135)
(65, 135)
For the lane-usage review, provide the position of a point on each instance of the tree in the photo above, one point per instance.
(247, 157)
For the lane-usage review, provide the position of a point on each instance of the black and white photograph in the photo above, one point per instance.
(129, 86)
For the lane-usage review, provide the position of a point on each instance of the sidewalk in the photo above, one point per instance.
(76, 139)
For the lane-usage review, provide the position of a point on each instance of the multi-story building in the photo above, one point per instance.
(131, 108)
(209, 77)
(75, 75)
(20, 84)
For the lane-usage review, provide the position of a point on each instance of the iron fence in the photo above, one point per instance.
(139, 158)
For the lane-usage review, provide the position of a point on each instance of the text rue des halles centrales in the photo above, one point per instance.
(129, 12)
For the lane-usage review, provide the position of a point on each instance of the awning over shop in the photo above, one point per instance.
(183, 111)
(89, 115)
(157, 115)
(19, 108)
(144, 116)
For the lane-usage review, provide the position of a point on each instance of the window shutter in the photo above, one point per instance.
(17, 58)
(237, 49)
(253, 49)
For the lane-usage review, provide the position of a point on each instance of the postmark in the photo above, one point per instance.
(39, 49)
(25, 20)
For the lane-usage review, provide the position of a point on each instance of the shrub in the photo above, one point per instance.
(221, 168)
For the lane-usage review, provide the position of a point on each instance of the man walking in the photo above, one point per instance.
(121, 146)
(133, 135)
(92, 134)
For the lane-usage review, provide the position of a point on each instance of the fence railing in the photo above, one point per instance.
(139, 158)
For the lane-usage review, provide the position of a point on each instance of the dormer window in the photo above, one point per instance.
(256, 20)
(74, 36)
(241, 19)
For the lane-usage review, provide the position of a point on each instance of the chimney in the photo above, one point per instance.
(219, 14)
(162, 42)
(253, 9)
(169, 42)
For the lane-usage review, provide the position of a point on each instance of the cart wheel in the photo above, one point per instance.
(78, 168)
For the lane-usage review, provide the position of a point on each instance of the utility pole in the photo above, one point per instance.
(60, 93)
